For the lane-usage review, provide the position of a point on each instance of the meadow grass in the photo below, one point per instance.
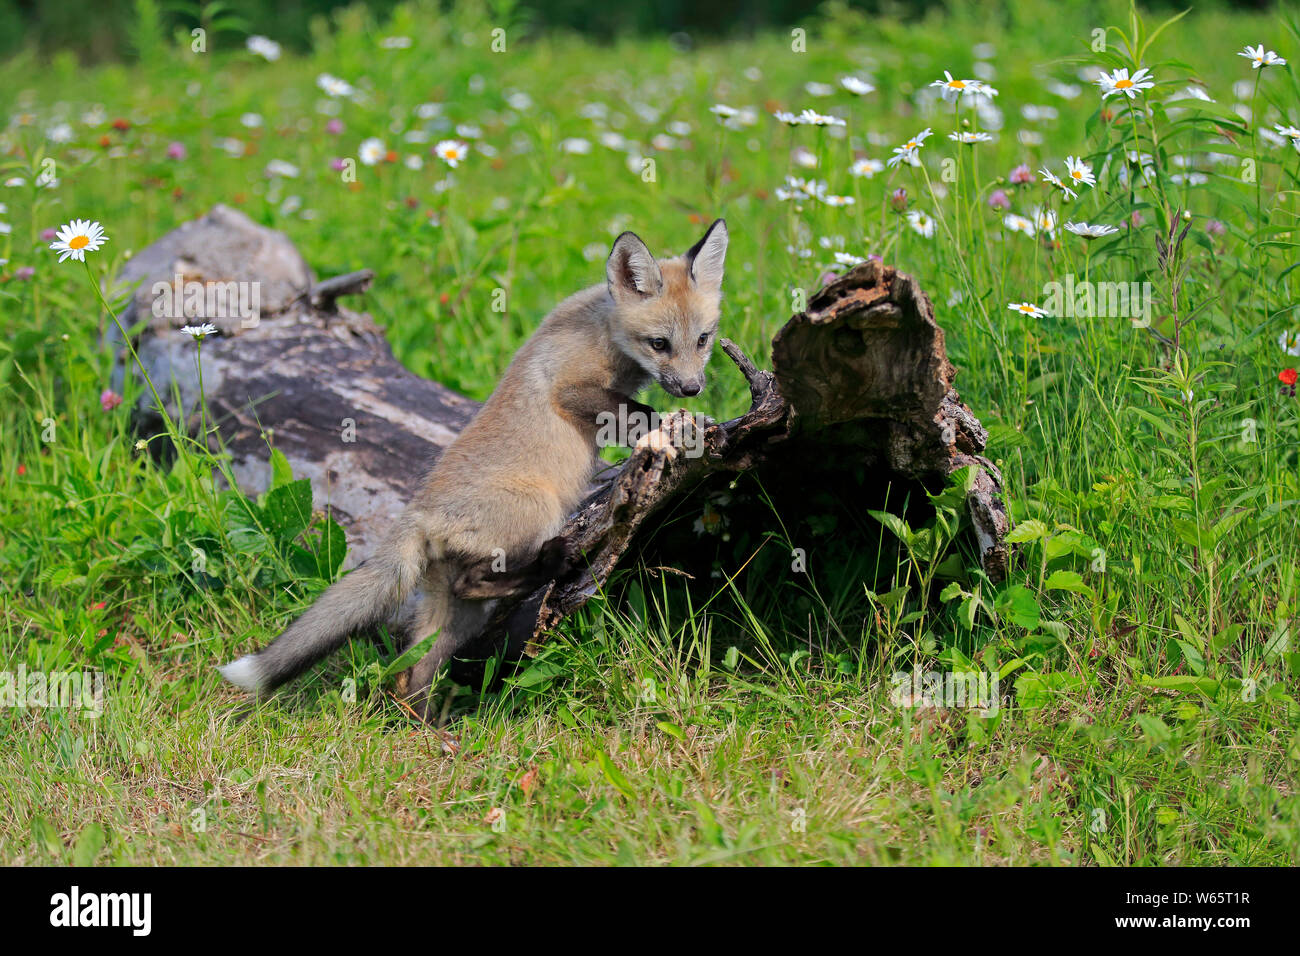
(1144, 640)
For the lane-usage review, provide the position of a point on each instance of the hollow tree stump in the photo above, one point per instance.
(861, 378)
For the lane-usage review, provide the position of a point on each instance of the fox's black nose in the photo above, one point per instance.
(692, 388)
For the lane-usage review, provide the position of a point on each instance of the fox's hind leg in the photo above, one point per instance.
(458, 622)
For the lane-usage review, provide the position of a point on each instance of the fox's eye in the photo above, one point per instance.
(659, 344)
(704, 340)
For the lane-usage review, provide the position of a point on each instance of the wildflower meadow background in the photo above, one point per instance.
(1028, 162)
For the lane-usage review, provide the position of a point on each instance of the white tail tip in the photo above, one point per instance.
(244, 673)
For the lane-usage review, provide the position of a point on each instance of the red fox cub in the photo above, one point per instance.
(522, 465)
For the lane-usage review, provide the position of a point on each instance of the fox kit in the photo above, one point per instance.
(522, 465)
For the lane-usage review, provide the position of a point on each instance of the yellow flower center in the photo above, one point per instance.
(957, 84)
(78, 242)
(1123, 84)
(1077, 174)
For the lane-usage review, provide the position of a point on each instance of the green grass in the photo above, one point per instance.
(1144, 639)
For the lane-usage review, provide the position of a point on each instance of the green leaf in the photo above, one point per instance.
(1156, 730)
(672, 730)
(410, 656)
(89, 842)
(287, 511)
(895, 524)
(1030, 530)
(614, 775)
(46, 837)
(1037, 690)
(1183, 682)
(1067, 581)
(1017, 603)
(1195, 662)
(281, 473)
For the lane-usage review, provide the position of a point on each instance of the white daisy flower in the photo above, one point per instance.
(856, 86)
(1079, 172)
(1290, 342)
(813, 118)
(867, 167)
(266, 48)
(848, 260)
(723, 112)
(1019, 224)
(1066, 91)
(1027, 308)
(1290, 132)
(333, 86)
(953, 88)
(922, 223)
(970, 138)
(78, 237)
(1090, 231)
(1050, 177)
(1272, 138)
(395, 43)
(278, 167)
(1121, 82)
(909, 151)
(818, 89)
(200, 332)
(798, 189)
(452, 152)
(1045, 220)
(838, 201)
(372, 151)
(788, 118)
(575, 145)
(1259, 58)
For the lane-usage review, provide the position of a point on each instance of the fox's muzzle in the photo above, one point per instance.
(686, 389)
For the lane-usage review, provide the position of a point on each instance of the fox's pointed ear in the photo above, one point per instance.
(706, 257)
(631, 269)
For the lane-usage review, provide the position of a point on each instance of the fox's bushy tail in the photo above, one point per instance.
(369, 595)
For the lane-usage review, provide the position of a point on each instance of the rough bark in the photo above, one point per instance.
(860, 380)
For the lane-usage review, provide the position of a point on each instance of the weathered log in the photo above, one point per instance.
(860, 381)
(315, 379)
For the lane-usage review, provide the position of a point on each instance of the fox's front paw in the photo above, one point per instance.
(658, 440)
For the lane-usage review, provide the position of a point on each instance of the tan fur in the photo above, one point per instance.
(523, 464)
